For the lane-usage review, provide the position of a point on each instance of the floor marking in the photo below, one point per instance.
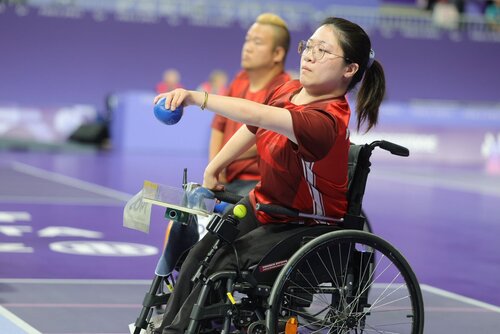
(14, 216)
(66, 305)
(444, 309)
(21, 324)
(460, 298)
(424, 287)
(70, 281)
(70, 181)
(60, 200)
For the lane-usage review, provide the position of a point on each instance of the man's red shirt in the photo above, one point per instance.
(244, 169)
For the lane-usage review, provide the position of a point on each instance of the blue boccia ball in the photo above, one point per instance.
(167, 116)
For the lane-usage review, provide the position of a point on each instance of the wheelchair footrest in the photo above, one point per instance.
(258, 290)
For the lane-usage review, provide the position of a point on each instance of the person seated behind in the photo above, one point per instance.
(171, 80)
(303, 140)
(262, 61)
(492, 15)
(216, 83)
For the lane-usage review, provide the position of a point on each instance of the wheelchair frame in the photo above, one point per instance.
(270, 305)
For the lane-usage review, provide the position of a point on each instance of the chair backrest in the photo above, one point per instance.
(358, 169)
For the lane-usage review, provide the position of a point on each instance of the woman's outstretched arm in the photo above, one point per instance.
(248, 112)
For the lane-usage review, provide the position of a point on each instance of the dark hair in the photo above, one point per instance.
(356, 46)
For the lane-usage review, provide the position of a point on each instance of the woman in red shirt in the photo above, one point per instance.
(303, 141)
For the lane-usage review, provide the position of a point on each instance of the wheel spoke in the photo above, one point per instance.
(355, 283)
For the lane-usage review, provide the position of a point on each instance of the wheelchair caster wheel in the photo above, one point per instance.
(258, 327)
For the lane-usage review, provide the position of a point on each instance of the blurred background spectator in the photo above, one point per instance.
(171, 80)
(216, 83)
(430, 4)
(446, 13)
(492, 15)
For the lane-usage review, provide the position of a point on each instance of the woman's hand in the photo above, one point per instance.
(175, 98)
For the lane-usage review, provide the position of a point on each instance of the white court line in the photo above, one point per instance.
(60, 200)
(66, 305)
(424, 287)
(17, 321)
(75, 281)
(460, 298)
(70, 181)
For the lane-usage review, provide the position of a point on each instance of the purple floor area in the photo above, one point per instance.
(97, 306)
(61, 218)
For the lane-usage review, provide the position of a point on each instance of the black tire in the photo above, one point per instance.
(335, 285)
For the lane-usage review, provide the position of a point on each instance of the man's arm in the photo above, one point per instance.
(252, 152)
(240, 142)
(216, 139)
(215, 145)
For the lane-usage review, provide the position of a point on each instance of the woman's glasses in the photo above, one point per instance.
(317, 49)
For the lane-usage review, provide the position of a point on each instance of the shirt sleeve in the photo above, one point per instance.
(315, 131)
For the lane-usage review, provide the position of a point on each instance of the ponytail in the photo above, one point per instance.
(370, 96)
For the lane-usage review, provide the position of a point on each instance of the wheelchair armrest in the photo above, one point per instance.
(277, 210)
(226, 196)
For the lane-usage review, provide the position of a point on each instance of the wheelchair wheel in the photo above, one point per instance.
(346, 282)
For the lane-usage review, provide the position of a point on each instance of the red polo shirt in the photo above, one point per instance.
(310, 176)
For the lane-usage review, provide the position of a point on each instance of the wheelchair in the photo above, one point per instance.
(333, 278)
